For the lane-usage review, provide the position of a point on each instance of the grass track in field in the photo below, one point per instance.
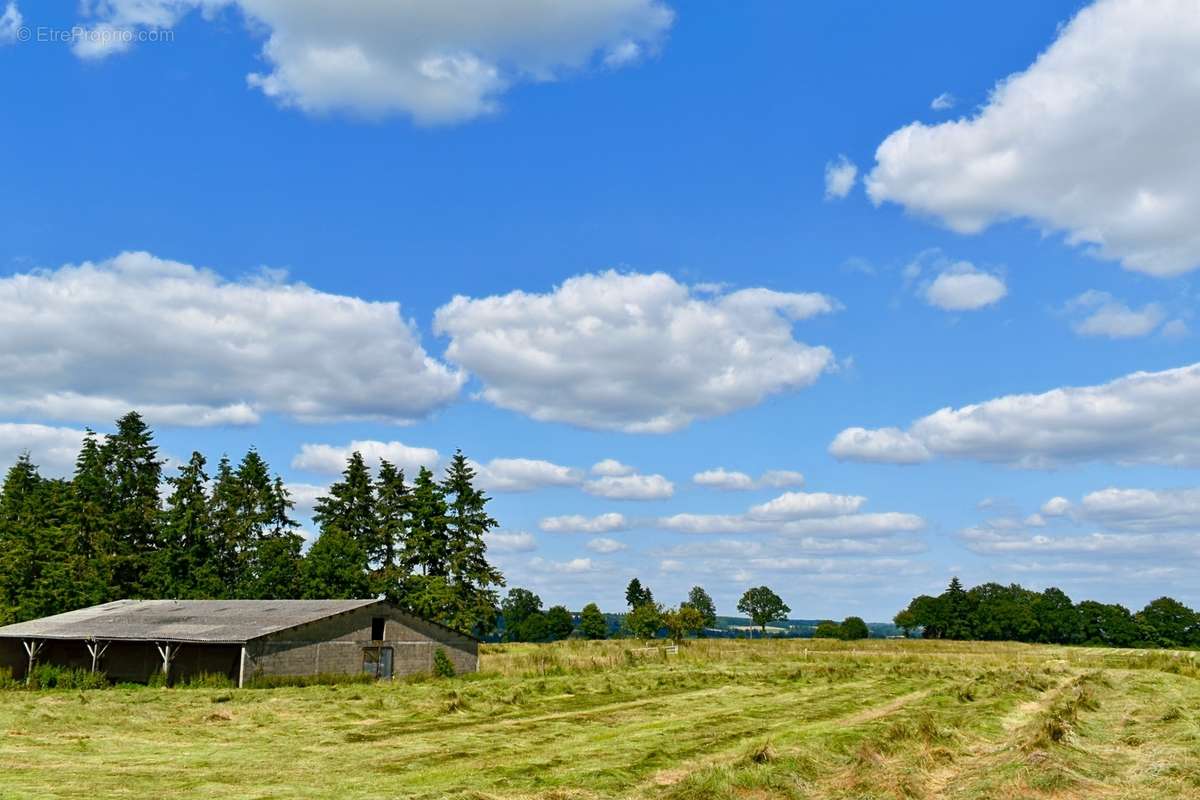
(723, 719)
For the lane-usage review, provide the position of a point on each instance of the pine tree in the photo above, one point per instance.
(426, 551)
(185, 565)
(278, 558)
(392, 502)
(473, 580)
(224, 517)
(19, 563)
(133, 471)
(90, 515)
(346, 517)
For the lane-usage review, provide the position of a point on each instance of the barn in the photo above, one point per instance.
(131, 640)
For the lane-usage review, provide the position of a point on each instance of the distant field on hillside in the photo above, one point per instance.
(722, 719)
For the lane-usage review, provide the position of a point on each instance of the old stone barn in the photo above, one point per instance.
(131, 640)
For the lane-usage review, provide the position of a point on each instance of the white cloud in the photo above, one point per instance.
(438, 62)
(53, 450)
(10, 23)
(631, 487)
(1143, 418)
(524, 474)
(331, 459)
(577, 523)
(721, 478)
(962, 287)
(633, 352)
(881, 524)
(1056, 507)
(575, 566)
(1107, 316)
(610, 467)
(186, 347)
(801, 505)
(732, 480)
(881, 445)
(839, 178)
(504, 542)
(605, 546)
(1142, 509)
(942, 102)
(1094, 139)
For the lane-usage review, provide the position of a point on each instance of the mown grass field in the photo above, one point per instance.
(722, 719)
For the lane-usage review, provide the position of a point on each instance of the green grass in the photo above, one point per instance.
(722, 719)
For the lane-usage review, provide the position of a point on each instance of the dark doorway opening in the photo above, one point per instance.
(377, 626)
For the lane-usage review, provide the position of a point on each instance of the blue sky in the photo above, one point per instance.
(632, 202)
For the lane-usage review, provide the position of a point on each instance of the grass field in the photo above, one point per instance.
(722, 719)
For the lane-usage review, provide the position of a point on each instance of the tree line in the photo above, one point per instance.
(118, 528)
(992, 611)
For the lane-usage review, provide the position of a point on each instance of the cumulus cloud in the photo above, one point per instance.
(800, 505)
(1056, 507)
(633, 352)
(577, 523)
(52, 449)
(871, 524)
(610, 467)
(437, 62)
(505, 542)
(1141, 418)
(732, 480)
(574, 566)
(817, 514)
(524, 474)
(331, 459)
(1094, 139)
(942, 102)
(631, 487)
(1100, 314)
(839, 178)
(187, 347)
(605, 546)
(963, 287)
(1142, 509)
(880, 445)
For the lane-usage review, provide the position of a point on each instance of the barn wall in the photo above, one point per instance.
(12, 657)
(335, 645)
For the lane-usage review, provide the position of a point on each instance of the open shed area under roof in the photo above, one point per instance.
(199, 621)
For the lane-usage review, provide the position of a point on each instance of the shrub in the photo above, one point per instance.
(7, 681)
(442, 667)
(157, 681)
(209, 680)
(52, 676)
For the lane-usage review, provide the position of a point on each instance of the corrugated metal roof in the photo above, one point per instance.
(215, 621)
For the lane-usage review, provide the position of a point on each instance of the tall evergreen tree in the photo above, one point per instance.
(392, 502)
(472, 579)
(134, 472)
(185, 565)
(338, 564)
(224, 516)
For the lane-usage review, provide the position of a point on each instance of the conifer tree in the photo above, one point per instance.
(392, 503)
(185, 564)
(133, 471)
(224, 517)
(473, 580)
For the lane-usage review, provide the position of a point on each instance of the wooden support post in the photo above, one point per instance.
(32, 648)
(242, 668)
(97, 651)
(168, 652)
